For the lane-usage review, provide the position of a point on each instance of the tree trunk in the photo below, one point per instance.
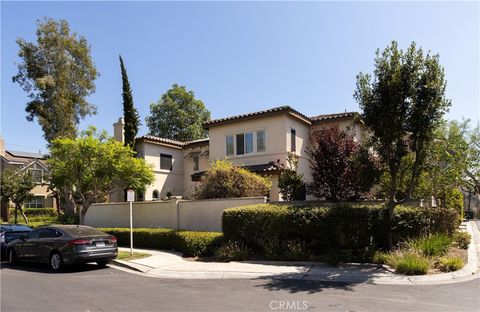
(392, 202)
(19, 207)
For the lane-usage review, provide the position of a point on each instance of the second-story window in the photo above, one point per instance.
(261, 141)
(196, 165)
(248, 142)
(240, 138)
(37, 173)
(230, 150)
(166, 162)
(293, 140)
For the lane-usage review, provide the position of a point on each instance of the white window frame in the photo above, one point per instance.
(254, 143)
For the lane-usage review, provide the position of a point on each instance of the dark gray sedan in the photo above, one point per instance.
(59, 245)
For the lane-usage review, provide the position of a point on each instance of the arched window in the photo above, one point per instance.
(155, 195)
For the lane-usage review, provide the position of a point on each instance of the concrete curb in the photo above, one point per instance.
(348, 273)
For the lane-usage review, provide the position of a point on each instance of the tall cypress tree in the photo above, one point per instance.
(130, 114)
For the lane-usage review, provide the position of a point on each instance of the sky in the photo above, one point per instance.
(241, 57)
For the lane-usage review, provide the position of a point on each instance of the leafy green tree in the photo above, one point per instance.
(402, 105)
(16, 185)
(290, 182)
(178, 116)
(57, 73)
(93, 166)
(227, 180)
(130, 114)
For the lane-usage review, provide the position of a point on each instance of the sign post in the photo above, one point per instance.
(130, 199)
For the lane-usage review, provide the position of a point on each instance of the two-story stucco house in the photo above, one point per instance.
(259, 141)
(36, 165)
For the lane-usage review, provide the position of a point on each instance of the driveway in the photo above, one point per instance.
(88, 288)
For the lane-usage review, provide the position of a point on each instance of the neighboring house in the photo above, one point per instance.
(34, 163)
(258, 141)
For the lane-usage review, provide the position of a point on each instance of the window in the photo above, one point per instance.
(155, 195)
(240, 144)
(50, 233)
(35, 233)
(293, 140)
(248, 142)
(229, 144)
(36, 202)
(196, 163)
(140, 196)
(166, 162)
(261, 141)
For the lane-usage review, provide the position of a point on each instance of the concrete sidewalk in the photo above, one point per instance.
(165, 264)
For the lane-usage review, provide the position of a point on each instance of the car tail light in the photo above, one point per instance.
(79, 241)
(112, 240)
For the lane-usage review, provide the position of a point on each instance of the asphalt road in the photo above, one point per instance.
(30, 287)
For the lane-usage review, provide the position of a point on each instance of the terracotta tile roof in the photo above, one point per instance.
(333, 116)
(259, 168)
(154, 139)
(271, 111)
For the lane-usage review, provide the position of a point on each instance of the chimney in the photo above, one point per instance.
(118, 133)
(2, 146)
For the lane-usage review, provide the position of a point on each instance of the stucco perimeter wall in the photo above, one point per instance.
(206, 215)
(194, 215)
(145, 214)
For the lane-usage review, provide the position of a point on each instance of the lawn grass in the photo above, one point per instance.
(125, 255)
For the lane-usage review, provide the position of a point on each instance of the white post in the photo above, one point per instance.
(131, 230)
(130, 199)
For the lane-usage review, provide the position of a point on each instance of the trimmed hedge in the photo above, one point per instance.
(326, 227)
(36, 212)
(188, 242)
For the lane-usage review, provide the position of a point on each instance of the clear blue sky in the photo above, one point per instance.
(241, 57)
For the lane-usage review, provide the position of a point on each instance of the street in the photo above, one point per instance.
(31, 287)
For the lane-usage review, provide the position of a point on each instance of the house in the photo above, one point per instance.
(259, 141)
(34, 163)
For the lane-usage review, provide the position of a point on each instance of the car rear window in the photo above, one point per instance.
(82, 231)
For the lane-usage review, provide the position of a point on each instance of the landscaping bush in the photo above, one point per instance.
(450, 264)
(432, 245)
(35, 212)
(411, 264)
(461, 239)
(381, 257)
(188, 242)
(232, 251)
(356, 228)
(198, 243)
(227, 180)
(297, 251)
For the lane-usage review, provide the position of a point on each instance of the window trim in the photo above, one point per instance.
(196, 163)
(244, 133)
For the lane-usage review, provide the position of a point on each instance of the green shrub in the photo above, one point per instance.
(412, 264)
(227, 180)
(232, 251)
(381, 257)
(273, 248)
(461, 239)
(450, 264)
(35, 212)
(343, 226)
(188, 242)
(432, 245)
(297, 251)
(198, 243)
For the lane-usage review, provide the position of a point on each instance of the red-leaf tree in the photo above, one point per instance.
(342, 169)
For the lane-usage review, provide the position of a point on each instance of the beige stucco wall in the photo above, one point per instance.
(165, 180)
(189, 185)
(145, 214)
(198, 215)
(206, 215)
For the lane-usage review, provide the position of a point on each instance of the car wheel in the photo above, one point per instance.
(12, 256)
(56, 261)
(103, 263)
